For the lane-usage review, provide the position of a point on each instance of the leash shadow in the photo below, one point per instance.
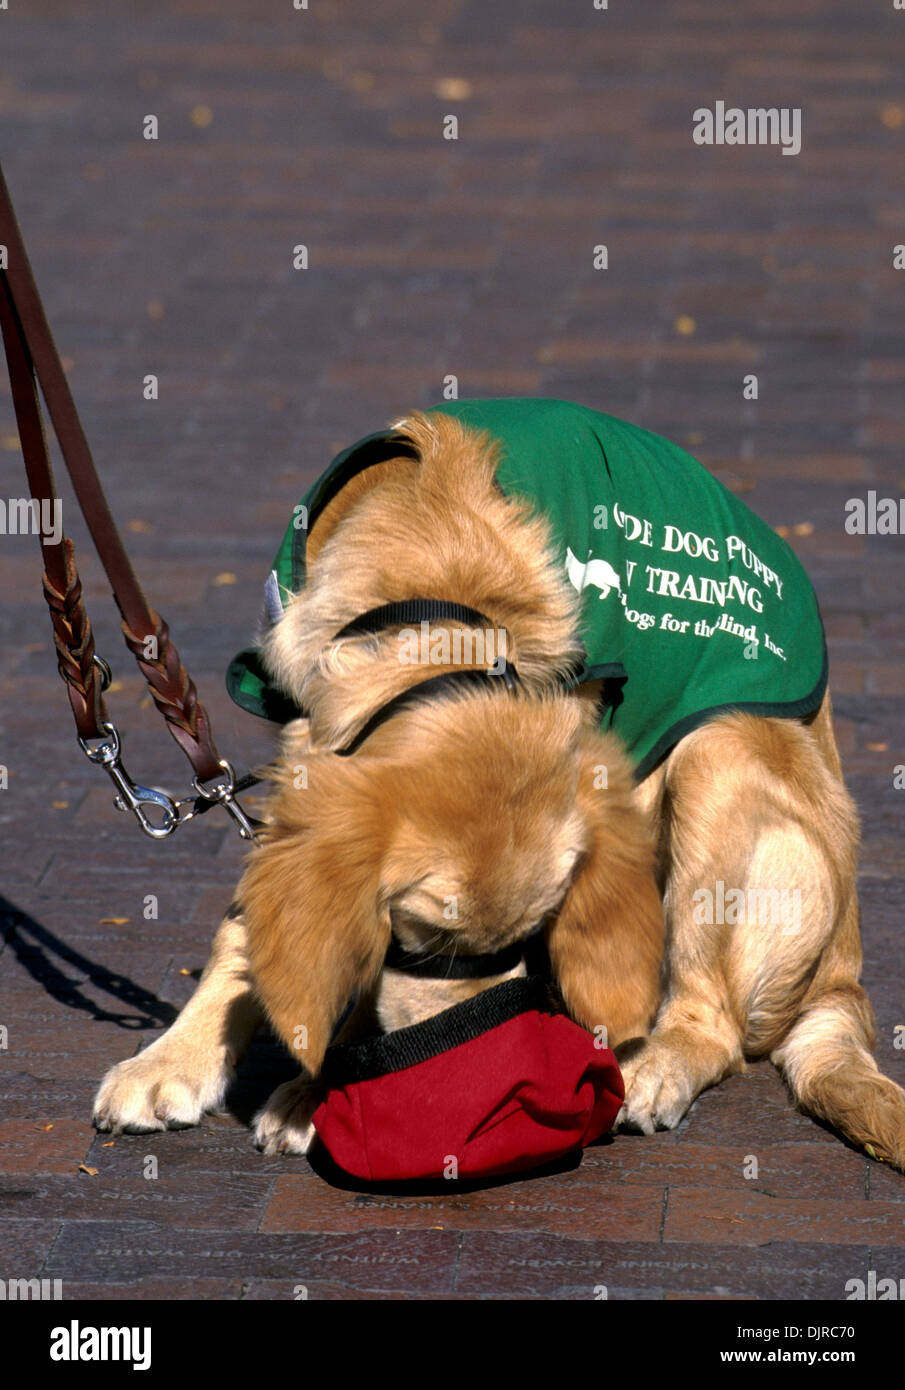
(34, 945)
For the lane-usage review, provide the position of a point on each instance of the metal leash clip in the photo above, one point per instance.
(132, 796)
(224, 792)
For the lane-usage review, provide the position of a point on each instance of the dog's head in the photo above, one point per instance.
(462, 823)
(461, 826)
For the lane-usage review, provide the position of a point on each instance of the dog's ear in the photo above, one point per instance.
(317, 932)
(606, 942)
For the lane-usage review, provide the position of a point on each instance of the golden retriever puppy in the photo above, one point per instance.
(465, 820)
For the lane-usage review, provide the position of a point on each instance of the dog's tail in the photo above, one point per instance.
(826, 1058)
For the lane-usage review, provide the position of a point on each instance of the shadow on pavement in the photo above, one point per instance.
(35, 944)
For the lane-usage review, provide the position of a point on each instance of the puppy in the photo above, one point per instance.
(462, 822)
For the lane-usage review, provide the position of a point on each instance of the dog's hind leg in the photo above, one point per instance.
(187, 1071)
(826, 1060)
(759, 848)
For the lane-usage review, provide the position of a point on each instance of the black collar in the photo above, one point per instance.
(418, 610)
(428, 966)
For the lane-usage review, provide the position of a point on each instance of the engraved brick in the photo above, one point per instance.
(571, 1204)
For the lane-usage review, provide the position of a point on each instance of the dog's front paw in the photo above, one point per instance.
(657, 1091)
(284, 1125)
(164, 1087)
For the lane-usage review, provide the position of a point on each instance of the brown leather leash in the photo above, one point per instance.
(33, 360)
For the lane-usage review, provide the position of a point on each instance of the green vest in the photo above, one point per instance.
(691, 605)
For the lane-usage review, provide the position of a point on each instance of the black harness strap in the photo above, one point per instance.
(412, 610)
(426, 690)
(419, 610)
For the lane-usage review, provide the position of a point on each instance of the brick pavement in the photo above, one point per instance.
(427, 257)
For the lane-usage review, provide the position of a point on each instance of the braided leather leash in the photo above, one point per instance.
(33, 360)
